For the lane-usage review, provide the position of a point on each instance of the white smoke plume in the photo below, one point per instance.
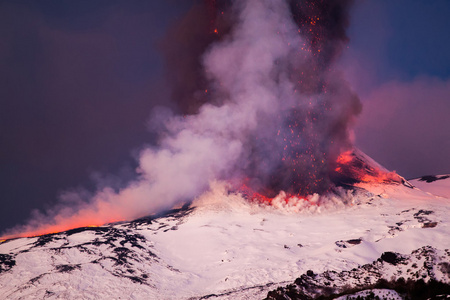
(250, 74)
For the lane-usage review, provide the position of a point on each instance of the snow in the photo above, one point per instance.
(17, 244)
(382, 293)
(230, 248)
(439, 187)
(259, 246)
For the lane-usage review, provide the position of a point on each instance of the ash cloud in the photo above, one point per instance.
(276, 112)
(324, 108)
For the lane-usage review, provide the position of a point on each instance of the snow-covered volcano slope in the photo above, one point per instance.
(222, 246)
(437, 185)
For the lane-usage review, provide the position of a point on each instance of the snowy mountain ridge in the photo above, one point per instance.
(425, 264)
(224, 247)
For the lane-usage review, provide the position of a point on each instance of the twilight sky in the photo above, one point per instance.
(78, 81)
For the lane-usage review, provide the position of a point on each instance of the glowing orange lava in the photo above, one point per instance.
(58, 227)
(256, 197)
(345, 157)
(355, 167)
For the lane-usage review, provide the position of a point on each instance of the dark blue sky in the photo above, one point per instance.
(404, 38)
(399, 62)
(78, 80)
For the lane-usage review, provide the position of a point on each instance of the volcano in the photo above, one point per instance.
(351, 169)
(267, 109)
(253, 183)
(223, 246)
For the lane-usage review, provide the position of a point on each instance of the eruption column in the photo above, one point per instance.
(277, 115)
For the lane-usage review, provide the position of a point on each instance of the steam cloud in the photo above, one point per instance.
(260, 101)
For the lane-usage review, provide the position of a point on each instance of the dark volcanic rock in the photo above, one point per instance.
(6, 262)
(354, 242)
(45, 239)
(422, 282)
(82, 229)
(429, 225)
(67, 268)
(348, 243)
(432, 178)
(392, 258)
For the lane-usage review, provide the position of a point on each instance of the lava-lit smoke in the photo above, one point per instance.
(263, 104)
(295, 148)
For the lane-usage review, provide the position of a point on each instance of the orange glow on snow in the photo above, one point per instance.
(97, 214)
(57, 228)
